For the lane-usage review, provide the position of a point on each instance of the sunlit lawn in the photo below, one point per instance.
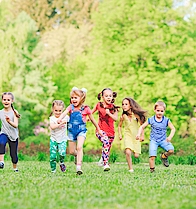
(35, 187)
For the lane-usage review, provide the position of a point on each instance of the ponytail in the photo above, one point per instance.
(15, 112)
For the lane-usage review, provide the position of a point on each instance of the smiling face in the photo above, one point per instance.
(107, 96)
(75, 100)
(57, 110)
(126, 105)
(7, 101)
(159, 111)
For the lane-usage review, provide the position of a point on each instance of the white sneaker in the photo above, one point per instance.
(106, 167)
(131, 171)
(79, 172)
(100, 163)
(54, 171)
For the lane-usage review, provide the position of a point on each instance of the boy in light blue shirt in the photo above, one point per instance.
(158, 137)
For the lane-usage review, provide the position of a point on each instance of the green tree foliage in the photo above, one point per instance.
(145, 51)
(52, 13)
(22, 71)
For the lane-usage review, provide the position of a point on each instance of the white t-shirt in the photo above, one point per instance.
(59, 134)
(6, 128)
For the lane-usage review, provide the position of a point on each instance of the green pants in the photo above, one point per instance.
(57, 148)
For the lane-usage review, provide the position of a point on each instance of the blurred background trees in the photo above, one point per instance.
(145, 51)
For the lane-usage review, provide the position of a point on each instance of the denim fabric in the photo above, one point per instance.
(163, 144)
(76, 126)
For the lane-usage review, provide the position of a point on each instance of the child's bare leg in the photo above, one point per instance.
(152, 163)
(72, 148)
(167, 154)
(128, 158)
(1, 157)
(80, 142)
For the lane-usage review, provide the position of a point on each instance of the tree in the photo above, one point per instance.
(145, 51)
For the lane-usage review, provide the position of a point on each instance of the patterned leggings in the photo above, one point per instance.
(57, 148)
(106, 145)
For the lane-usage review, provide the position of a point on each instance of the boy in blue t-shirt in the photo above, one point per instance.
(158, 137)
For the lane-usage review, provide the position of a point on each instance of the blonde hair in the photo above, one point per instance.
(58, 103)
(80, 93)
(12, 106)
(160, 103)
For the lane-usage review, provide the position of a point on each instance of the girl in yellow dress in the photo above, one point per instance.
(133, 116)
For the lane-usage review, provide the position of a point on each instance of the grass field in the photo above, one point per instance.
(35, 187)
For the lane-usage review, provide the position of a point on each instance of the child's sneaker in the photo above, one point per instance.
(100, 163)
(165, 161)
(152, 170)
(131, 171)
(106, 167)
(1, 165)
(16, 170)
(79, 172)
(53, 171)
(63, 167)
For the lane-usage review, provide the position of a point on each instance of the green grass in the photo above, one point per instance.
(35, 187)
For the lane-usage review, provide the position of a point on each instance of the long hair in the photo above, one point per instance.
(12, 106)
(58, 103)
(80, 93)
(136, 109)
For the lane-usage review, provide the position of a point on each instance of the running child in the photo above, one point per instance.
(158, 137)
(77, 124)
(108, 113)
(58, 138)
(9, 130)
(133, 116)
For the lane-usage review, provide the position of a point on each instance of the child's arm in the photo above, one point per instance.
(12, 123)
(94, 109)
(114, 116)
(95, 124)
(141, 129)
(57, 125)
(62, 116)
(142, 133)
(173, 130)
(120, 126)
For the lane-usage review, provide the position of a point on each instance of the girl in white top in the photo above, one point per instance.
(58, 138)
(9, 129)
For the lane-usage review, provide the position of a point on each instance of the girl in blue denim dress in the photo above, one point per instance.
(77, 124)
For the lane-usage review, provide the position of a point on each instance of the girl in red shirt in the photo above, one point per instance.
(108, 113)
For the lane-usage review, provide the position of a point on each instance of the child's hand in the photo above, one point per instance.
(100, 132)
(141, 139)
(137, 137)
(168, 139)
(59, 121)
(7, 118)
(107, 111)
(120, 137)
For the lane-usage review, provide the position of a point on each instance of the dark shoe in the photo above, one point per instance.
(1, 165)
(16, 170)
(152, 170)
(165, 161)
(63, 167)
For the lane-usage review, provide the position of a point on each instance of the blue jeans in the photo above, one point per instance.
(153, 146)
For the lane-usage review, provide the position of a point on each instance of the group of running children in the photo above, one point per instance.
(74, 119)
